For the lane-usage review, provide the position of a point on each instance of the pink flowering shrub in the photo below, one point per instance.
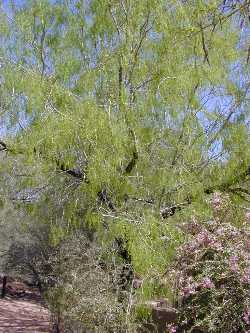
(213, 277)
(247, 216)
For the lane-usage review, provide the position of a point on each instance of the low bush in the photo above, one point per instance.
(212, 274)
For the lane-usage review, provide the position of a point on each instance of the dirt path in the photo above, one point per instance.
(23, 316)
(21, 311)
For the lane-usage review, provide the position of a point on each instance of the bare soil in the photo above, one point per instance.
(22, 311)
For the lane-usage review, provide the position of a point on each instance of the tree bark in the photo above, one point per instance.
(4, 286)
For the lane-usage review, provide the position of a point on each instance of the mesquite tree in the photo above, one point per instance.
(125, 116)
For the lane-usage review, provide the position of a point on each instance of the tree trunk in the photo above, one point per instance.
(4, 286)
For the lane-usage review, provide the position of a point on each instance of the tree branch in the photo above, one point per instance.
(205, 50)
(223, 187)
(74, 172)
(104, 198)
(3, 146)
(171, 210)
(135, 155)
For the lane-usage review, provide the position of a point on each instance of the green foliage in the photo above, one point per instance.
(123, 117)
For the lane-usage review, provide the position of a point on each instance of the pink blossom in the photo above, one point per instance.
(220, 231)
(234, 263)
(247, 216)
(207, 283)
(203, 238)
(137, 283)
(246, 276)
(188, 290)
(217, 201)
(192, 227)
(172, 328)
(247, 316)
(217, 246)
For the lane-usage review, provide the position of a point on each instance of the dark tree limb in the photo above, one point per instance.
(166, 211)
(135, 155)
(42, 51)
(105, 199)
(132, 163)
(223, 187)
(248, 55)
(74, 172)
(171, 210)
(204, 47)
(3, 146)
(120, 75)
(4, 283)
